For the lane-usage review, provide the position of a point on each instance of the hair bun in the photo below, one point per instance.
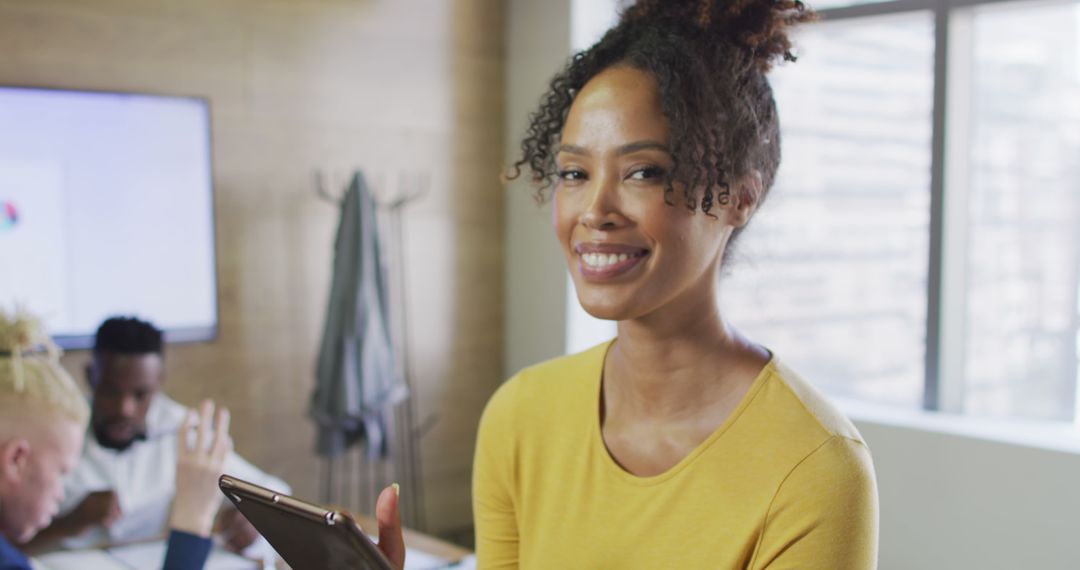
(32, 380)
(21, 332)
(759, 26)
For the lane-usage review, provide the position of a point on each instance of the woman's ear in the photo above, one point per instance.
(14, 458)
(745, 195)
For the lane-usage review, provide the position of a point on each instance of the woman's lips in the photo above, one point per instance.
(603, 266)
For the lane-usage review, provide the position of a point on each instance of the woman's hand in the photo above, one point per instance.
(198, 468)
(391, 540)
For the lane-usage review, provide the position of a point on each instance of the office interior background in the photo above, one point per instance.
(918, 260)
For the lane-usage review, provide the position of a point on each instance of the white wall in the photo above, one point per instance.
(957, 502)
(538, 44)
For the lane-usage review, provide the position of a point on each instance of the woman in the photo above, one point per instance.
(680, 444)
(42, 421)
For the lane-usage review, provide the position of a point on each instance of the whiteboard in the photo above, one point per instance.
(106, 208)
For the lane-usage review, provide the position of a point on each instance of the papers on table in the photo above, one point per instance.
(149, 555)
(78, 560)
(417, 560)
(140, 556)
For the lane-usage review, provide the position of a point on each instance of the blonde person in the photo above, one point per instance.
(43, 417)
(681, 443)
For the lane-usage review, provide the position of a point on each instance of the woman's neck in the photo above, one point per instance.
(667, 367)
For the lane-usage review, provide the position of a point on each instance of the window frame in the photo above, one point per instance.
(946, 283)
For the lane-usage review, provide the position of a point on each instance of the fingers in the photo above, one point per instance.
(114, 507)
(111, 518)
(198, 468)
(222, 444)
(237, 532)
(212, 438)
(206, 417)
(391, 540)
(235, 545)
(242, 536)
(182, 442)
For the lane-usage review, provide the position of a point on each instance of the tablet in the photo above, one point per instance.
(307, 536)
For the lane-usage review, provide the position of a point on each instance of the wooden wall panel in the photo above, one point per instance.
(295, 85)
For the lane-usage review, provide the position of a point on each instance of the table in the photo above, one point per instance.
(419, 541)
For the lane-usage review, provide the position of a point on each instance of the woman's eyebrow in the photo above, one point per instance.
(624, 149)
(572, 149)
(642, 145)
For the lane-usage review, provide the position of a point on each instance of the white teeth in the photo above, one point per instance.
(602, 260)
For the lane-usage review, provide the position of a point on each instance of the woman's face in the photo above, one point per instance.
(629, 252)
(33, 480)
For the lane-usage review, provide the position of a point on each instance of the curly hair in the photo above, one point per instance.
(128, 335)
(709, 60)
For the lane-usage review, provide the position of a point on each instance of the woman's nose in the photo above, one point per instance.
(601, 210)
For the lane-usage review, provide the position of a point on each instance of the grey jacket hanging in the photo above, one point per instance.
(356, 378)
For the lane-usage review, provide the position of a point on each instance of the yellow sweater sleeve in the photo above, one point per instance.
(493, 483)
(825, 513)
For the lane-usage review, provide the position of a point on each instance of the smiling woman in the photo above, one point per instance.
(681, 443)
(611, 201)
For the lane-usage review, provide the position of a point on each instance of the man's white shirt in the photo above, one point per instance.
(143, 477)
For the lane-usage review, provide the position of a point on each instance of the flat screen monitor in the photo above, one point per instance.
(106, 208)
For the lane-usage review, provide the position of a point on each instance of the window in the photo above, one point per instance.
(982, 321)
(921, 247)
(831, 273)
(1020, 123)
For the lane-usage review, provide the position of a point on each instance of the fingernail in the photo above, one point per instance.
(397, 489)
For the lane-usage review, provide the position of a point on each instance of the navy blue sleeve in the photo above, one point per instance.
(186, 551)
(15, 565)
(11, 558)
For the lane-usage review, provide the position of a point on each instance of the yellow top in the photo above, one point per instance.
(785, 482)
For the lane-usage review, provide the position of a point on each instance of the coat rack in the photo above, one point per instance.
(403, 464)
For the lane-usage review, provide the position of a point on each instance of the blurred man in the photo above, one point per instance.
(123, 487)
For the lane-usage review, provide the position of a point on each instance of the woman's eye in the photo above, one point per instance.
(571, 174)
(647, 173)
